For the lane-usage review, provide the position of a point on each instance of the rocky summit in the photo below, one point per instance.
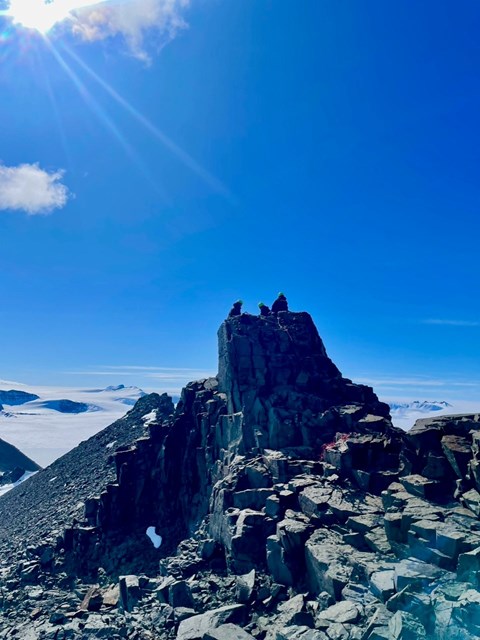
(276, 501)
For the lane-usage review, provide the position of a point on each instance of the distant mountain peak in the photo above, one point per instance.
(423, 406)
(13, 397)
(122, 387)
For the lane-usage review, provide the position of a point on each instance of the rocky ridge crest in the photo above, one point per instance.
(289, 506)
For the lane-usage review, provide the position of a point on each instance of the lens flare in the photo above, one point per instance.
(43, 15)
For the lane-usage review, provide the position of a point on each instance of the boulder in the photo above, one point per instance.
(404, 626)
(458, 452)
(328, 564)
(196, 627)
(245, 586)
(180, 595)
(228, 632)
(382, 584)
(93, 599)
(129, 591)
(414, 572)
(342, 612)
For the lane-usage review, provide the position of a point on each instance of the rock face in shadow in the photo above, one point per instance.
(288, 506)
(276, 372)
(12, 458)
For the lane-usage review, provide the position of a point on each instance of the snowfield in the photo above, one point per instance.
(44, 432)
(406, 411)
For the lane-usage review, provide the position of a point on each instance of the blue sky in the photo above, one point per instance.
(161, 158)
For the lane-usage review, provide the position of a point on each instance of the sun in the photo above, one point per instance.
(43, 15)
(33, 14)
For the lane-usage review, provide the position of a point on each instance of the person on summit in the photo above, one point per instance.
(236, 309)
(280, 303)
(264, 310)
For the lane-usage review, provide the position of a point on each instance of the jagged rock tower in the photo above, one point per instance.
(275, 372)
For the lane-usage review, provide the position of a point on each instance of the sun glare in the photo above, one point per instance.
(43, 15)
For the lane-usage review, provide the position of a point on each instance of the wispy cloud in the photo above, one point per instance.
(173, 374)
(418, 382)
(394, 381)
(132, 20)
(169, 379)
(31, 189)
(12, 383)
(139, 367)
(451, 323)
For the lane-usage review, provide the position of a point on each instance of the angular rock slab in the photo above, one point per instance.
(196, 627)
(228, 632)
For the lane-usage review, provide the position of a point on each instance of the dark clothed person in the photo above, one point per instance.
(280, 304)
(236, 309)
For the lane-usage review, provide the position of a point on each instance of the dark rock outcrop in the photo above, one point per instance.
(288, 505)
(15, 397)
(12, 458)
(67, 406)
(276, 372)
(444, 454)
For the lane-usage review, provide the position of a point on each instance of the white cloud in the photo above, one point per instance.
(29, 188)
(132, 20)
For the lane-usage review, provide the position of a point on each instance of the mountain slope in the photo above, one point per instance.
(59, 418)
(39, 508)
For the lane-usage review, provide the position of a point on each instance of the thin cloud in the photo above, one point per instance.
(451, 323)
(415, 382)
(165, 376)
(135, 21)
(147, 368)
(12, 383)
(158, 373)
(392, 382)
(31, 189)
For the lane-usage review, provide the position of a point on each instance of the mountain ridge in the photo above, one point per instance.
(289, 508)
